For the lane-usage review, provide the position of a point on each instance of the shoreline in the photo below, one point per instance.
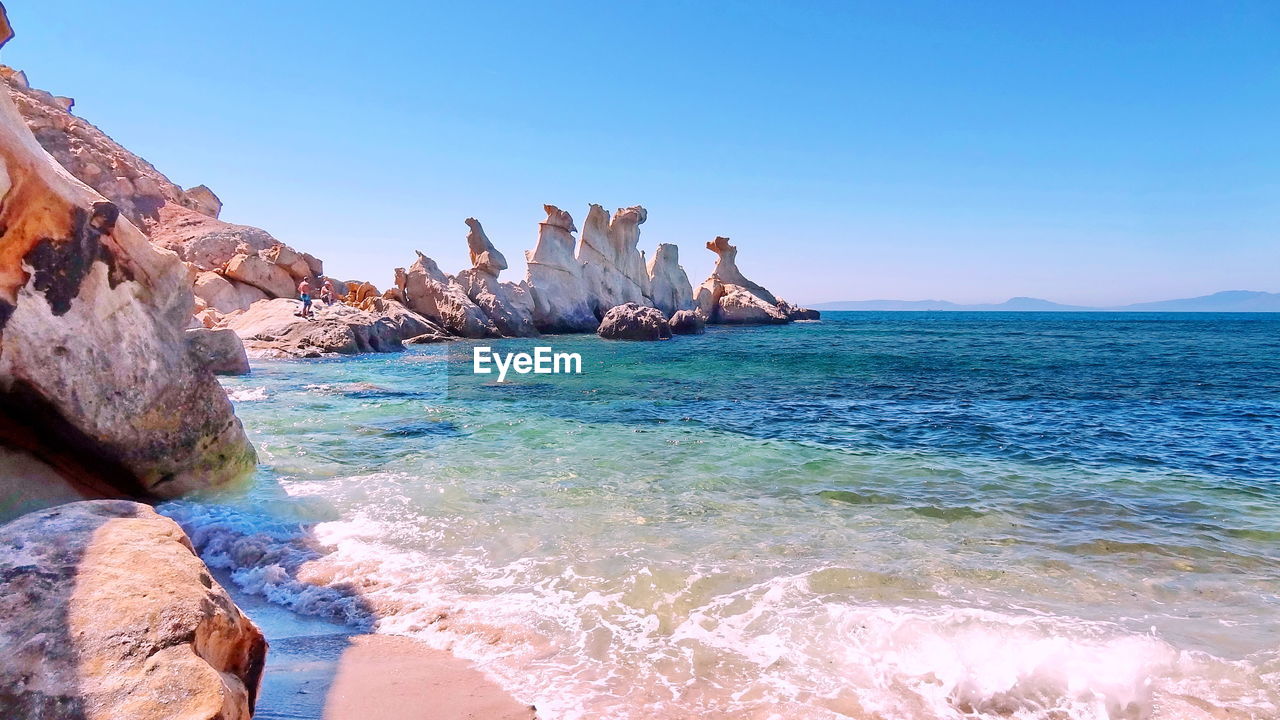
(317, 668)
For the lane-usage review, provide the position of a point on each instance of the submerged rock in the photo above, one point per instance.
(219, 350)
(560, 298)
(631, 321)
(509, 306)
(106, 612)
(671, 291)
(95, 374)
(687, 322)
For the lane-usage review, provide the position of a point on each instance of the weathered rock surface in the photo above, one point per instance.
(728, 297)
(509, 306)
(561, 301)
(687, 322)
(201, 199)
(206, 242)
(631, 321)
(132, 184)
(440, 298)
(739, 306)
(219, 350)
(669, 285)
(484, 256)
(106, 612)
(727, 272)
(263, 274)
(612, 265)
(224, 295)
(95, 376)
(273, 329)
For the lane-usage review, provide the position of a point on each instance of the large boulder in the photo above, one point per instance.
(671, 291)
(613, 267)
(274, 329)
(561, 302)
(688, 322)
(735, 305)
(256, 270)
(219, 350)
(201, 199)
(441, 299)
(95, 376)
(106, 612)
(223, 295)
(631, 321)
(509, 306)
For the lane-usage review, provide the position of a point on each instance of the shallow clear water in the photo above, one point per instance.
(881, 515)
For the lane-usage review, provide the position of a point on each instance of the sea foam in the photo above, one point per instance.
(782, 648)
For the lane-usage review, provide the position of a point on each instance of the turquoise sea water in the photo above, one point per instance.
(879, 515)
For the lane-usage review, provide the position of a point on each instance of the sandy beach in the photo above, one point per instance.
(323, 670)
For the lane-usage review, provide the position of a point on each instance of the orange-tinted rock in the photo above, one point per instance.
(105, 613)
(95, 376)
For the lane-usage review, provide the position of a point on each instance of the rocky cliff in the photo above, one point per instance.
(96, 378)
(562, 302)
(669, 285)
(612, 264)
(132, 184)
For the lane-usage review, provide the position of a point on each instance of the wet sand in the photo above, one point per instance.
(317, 670)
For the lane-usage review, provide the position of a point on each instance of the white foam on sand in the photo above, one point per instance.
(778, 649)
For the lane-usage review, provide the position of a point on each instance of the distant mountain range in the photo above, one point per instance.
(1226, 301)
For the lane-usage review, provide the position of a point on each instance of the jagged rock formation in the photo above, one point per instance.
(274, 329)
(670, 289)
(728, 297)
(251, 263)
(561, 301)
(613, 267)
(95, 376)
(509, 306)
(106, 612)
(688, 322)
(631, 321)
(439, 298)
(132, 184)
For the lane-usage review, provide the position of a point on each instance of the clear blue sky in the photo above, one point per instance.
(1085, 152)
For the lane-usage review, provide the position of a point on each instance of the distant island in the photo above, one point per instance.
(1225, 301)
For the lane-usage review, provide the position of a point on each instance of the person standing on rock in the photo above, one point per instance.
(304, 293)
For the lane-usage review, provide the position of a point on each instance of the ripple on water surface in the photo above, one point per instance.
(875, 516)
